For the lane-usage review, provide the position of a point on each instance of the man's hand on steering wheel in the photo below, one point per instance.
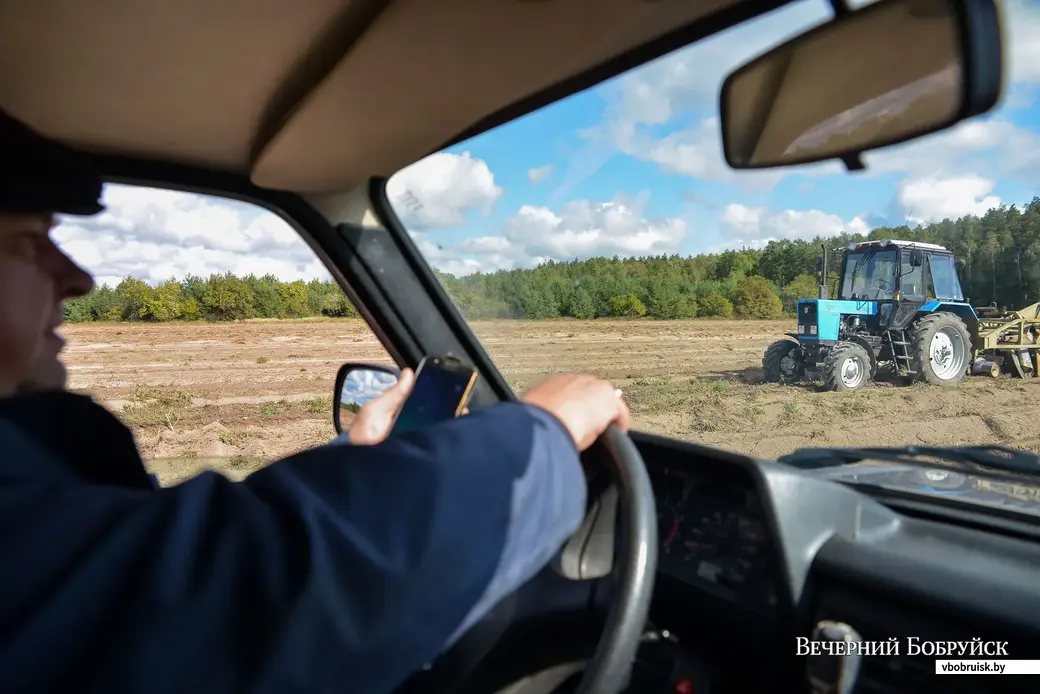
(586, 405)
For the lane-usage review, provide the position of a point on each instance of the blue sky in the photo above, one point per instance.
(630, 167)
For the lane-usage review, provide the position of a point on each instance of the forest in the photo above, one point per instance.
(1000, 250)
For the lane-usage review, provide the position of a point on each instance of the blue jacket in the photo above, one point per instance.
(342, 568)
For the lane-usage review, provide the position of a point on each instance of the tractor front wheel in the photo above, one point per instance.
(940, 349)
(782, 362)
(846, 367)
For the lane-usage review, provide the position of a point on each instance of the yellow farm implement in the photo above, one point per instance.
(1008, 340)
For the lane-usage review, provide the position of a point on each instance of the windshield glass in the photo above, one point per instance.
(869, 275)
(605, 233)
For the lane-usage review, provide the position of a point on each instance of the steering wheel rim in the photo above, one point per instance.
(634, 570)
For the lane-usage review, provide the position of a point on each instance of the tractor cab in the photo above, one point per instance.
(891, 271)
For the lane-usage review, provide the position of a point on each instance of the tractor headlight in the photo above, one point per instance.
(812, 329)
(801, 329)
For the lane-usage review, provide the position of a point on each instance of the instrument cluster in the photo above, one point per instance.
(713, 536)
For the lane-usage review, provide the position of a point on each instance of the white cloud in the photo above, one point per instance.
(455, 262)
(933, 199)
(541, 173)
(1022, 22)
(583, 229)
(738, 245)
(580, 229)
(440, 190)
(995, 148)
(696, 152)
(158, 235)
(754, 227)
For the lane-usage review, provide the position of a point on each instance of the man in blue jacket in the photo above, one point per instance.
(339, 569)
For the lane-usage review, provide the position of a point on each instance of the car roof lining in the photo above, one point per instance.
(316, 97)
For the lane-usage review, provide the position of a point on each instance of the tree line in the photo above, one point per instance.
(1000, 249)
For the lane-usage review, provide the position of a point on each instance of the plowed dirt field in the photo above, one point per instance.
(235, 395)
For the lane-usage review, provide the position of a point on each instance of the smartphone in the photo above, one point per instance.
(441, 390)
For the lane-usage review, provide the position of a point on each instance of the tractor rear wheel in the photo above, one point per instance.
(782, 362)
(940, 349)
(846, 367)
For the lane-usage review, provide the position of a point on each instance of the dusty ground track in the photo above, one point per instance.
(252, 391)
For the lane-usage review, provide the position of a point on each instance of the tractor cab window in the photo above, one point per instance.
(915, 281)
(869, 275)
(944, 275)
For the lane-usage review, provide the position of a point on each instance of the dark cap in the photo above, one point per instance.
(41, 176)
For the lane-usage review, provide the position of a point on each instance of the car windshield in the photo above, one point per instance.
(605, 233)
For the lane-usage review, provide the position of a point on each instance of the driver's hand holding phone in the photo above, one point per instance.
(440, 388)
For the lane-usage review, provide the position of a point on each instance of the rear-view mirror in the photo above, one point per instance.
(356, 384)
(890, 72)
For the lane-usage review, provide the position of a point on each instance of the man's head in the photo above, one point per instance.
(40, 178)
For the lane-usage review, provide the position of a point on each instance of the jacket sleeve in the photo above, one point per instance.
(343, 568)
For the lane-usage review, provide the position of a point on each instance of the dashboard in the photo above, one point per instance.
(753, 555)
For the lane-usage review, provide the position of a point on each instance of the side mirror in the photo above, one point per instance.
(356, 384)
(890, 72)
(819, 262)
(961, 262)
(916, 258)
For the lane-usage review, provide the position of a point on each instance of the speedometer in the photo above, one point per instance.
(711, 535)
(727, 549)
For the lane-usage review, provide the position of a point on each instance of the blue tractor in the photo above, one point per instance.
(899, 304)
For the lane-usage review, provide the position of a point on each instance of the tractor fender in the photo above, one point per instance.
(964, 311)
(862, 342)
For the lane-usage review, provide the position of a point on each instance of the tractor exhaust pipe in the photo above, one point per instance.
(822, 264)
(985, 367)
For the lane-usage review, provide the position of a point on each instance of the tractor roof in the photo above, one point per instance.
(899, 244)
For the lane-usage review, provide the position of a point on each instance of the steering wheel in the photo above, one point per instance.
(882, 285)
(632, 573)
(634, 570)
